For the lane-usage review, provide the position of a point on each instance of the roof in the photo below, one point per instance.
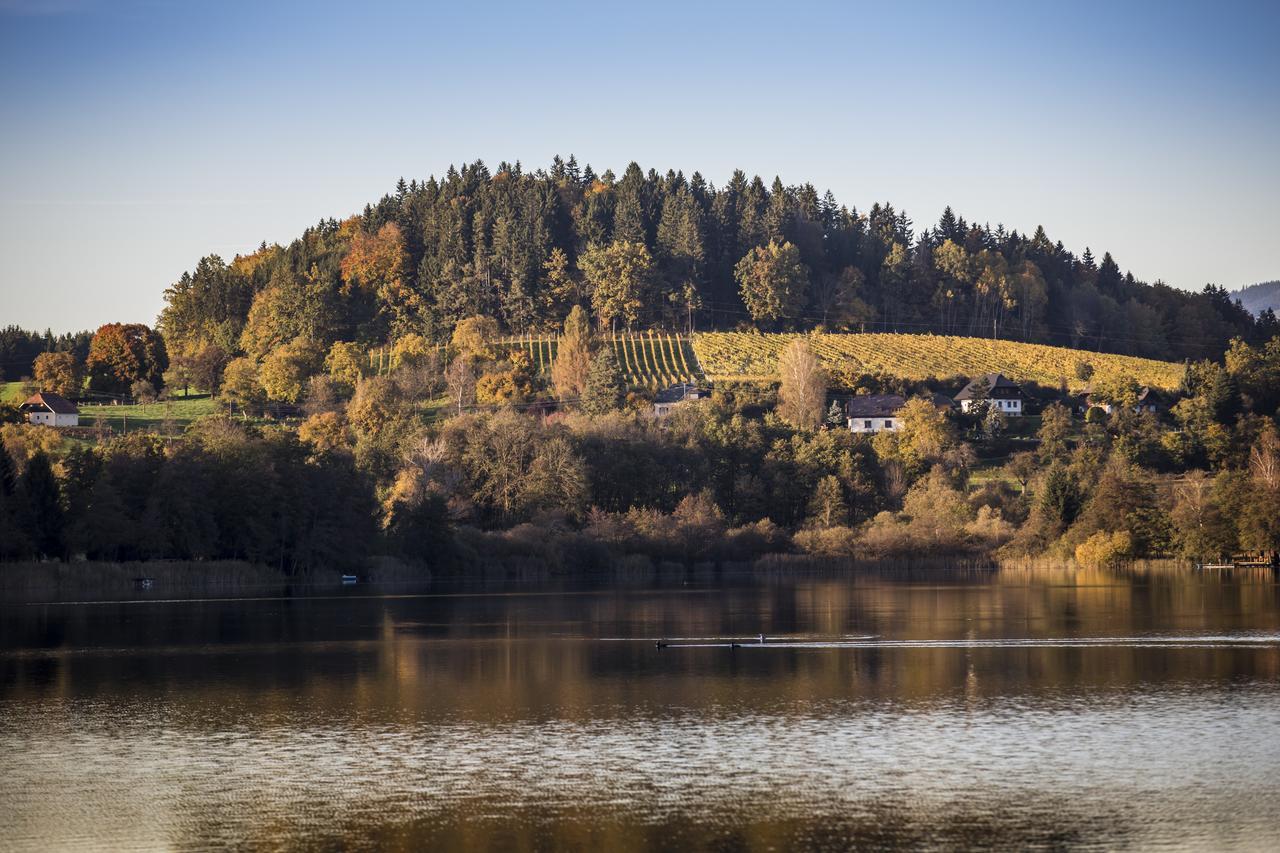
(1146, 394)
(874, 405)
(678, 393)
(53, 402)
(998, 385)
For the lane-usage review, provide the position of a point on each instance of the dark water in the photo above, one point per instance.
(1014, 710)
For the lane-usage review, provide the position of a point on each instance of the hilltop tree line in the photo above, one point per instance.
(648, 250)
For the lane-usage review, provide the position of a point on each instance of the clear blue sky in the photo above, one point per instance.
(136, 137)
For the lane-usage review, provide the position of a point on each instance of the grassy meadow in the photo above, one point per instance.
(180, 411)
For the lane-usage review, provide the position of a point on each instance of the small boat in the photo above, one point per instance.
(349, 580)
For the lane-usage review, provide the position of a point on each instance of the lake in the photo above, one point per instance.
(974, 709)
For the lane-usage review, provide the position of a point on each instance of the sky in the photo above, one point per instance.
(137, 137)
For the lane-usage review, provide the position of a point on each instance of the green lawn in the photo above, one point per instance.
(10, 392)
(151, 416)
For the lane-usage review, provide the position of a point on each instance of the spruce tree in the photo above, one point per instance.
(40, 506)
(604, 389)
(827, 508)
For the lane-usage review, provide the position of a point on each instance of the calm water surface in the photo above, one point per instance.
(996, 710)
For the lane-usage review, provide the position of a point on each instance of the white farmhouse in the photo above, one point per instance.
(1004, 395)
(874, 412)
(51, 410)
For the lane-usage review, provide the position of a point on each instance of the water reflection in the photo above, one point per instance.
(1008, 709)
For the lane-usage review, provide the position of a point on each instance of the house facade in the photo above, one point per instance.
(665, 401)
(51, 410)
(874, 412)
(1004, 395)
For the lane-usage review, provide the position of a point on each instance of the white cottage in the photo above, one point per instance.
(882, 412)
(874, 412)
(1004, 395)
(51, 410)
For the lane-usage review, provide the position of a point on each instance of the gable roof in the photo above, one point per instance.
(873, 406)
(942, 401)
(53, 402)
(999, 387)
(679, 393)
(1146, 396)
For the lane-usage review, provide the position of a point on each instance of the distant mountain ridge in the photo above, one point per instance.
(1256, 298)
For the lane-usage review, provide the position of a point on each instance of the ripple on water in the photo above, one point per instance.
(1158, 769)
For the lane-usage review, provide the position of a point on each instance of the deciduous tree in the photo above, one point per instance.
(58, 372)
(121, 354)
(774, 282)
(621, 278)
(803, 393)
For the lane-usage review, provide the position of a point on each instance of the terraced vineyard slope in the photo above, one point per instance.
(740, 356)
(648, 359)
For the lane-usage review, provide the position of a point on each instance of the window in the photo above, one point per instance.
(888, 423)
(866, 424)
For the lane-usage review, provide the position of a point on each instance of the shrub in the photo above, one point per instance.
(1105, 549)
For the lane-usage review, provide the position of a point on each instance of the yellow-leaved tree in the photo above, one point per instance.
(621, 277)
(803, 395)
(573, 356)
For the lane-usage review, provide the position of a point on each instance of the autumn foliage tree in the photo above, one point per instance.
(573, 356)
(121, 354)
(774, 282)
(376, 263)
(803, 393)
(621, 276)
(58, 372)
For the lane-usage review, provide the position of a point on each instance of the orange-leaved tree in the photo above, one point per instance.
(121, 354)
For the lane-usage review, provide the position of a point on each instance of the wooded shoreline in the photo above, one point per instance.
(55, 581)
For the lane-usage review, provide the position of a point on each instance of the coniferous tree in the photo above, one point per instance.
(40, 508)
(604, 387)
(572, 364)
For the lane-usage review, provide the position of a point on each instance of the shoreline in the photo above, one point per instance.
(53, 582)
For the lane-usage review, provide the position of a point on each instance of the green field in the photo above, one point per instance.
(10, 392)
(181, 411)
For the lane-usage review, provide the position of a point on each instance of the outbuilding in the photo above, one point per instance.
(51, 410)
(667, 399)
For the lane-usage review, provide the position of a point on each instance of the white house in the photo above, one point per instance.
(666, 400)
(51, 410)
(874, 412)
(882, 412)
(1004, 395)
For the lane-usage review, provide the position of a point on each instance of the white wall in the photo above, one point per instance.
(50, 419)
(873, 424)
(1004, 407)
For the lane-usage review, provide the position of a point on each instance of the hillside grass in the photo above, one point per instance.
(752, 357)
(10, 392)
(182, 411)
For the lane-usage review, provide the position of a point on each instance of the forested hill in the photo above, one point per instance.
(670, 251)
(1263, 296)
